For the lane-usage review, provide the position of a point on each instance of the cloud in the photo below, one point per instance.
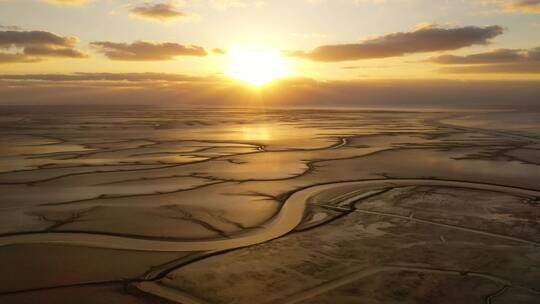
(106, 77)
(515, 6)
(42, 51)
(423, 39)
(146, 51)
(503, 68)
(33, 46)
(32, 38)
(16, 58)
(10, 27)
(524, 6)
(162, 12)
(219, 51)
(496, 56)
(214, 91)
(504, 61)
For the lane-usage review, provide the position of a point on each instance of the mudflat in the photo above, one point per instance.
(159, 205)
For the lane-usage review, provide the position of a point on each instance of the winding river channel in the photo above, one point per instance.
(289, 217)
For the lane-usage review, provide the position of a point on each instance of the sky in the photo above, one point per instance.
(187, 48)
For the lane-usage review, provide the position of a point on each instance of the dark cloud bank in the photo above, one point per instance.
(104, 77)
(180, 90)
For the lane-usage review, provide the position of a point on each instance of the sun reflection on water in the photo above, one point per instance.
(256, 132)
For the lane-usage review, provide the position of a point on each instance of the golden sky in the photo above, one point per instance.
(262, 40)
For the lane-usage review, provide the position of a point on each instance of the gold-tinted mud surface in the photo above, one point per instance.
(268, 206)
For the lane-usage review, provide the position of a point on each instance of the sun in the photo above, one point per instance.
(256, 66)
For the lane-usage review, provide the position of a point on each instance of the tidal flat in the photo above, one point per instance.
(168, 205)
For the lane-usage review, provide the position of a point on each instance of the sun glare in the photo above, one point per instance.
(256, 66)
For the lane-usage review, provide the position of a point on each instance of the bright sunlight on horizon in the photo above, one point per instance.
(256, 66)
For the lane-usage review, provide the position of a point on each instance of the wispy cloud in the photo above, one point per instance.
(146, 51)
(507, 61)
(80, 76)
(503, 68)
(515, 6)
(219, 51)
(524, 6)
(162, 12)
(495, 56)
(10, 27)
